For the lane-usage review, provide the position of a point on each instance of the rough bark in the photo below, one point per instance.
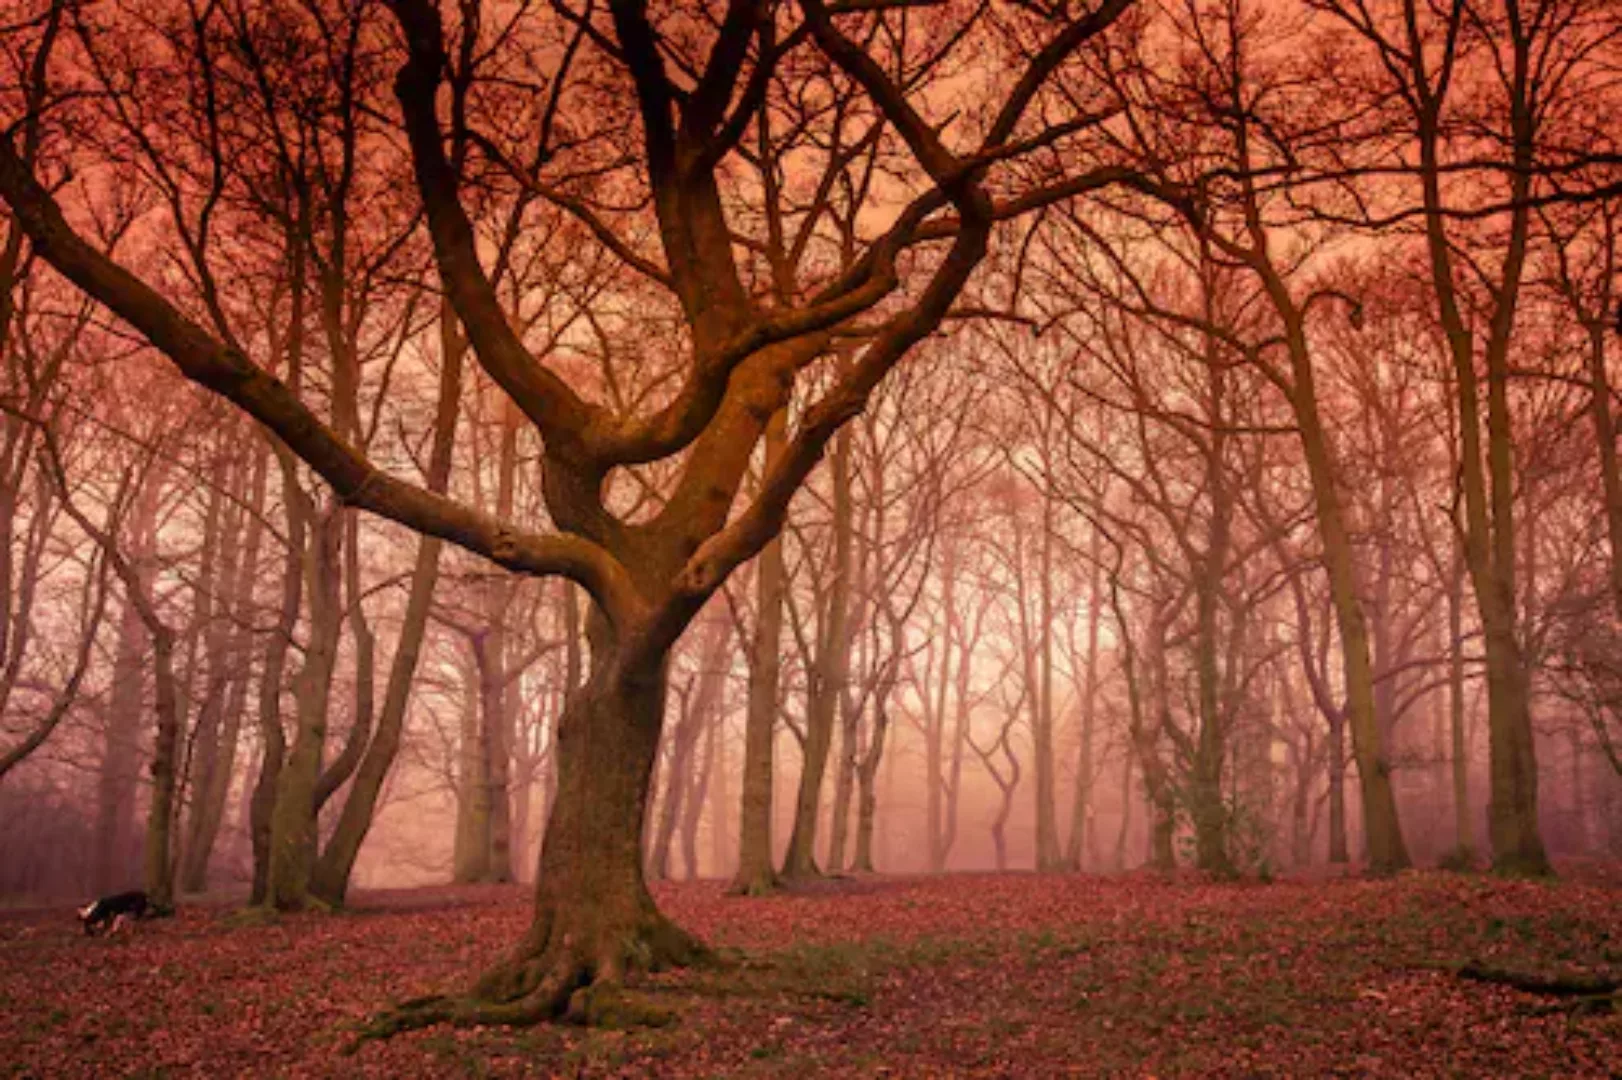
(594, 920)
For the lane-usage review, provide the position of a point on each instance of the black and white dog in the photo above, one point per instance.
(111, 913)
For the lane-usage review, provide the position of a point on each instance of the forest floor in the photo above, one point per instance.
(961, 975)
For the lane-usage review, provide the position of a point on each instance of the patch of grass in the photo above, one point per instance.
(248, 917)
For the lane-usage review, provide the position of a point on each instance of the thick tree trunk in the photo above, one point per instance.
(594, 919)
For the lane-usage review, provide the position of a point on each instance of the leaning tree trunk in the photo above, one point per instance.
(330, 882)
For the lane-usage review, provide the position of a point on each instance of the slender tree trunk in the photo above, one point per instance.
(1599, 411)
(1488, 480)
(1047, 825)
(298, 509)
(968, 638)
(935, 716)
(1127, 802)
(293, 836)
(693, 802)
(699, 715)
(1388, 852)
(755, 871)
(867, 796)
(498, 714)
(214, 580)
(159, 867)
(119, 773)
(720, 802)
(212, 787)
(271, 735)
(333, 870)
(1081, 803)
(1339, 849)
(850, 720)
(832, 669)
(1463, 830)
(470, 855)
(1206, 805)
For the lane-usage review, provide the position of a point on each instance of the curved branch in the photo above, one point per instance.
(228, 373)
(546, 399)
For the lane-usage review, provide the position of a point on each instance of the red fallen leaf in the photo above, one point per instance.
(1011, 974)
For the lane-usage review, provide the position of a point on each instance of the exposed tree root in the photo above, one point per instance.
(1584, 993)
(558, 982)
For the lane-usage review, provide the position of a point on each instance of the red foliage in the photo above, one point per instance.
(961, 975)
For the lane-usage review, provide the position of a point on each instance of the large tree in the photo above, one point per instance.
(702, 90)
